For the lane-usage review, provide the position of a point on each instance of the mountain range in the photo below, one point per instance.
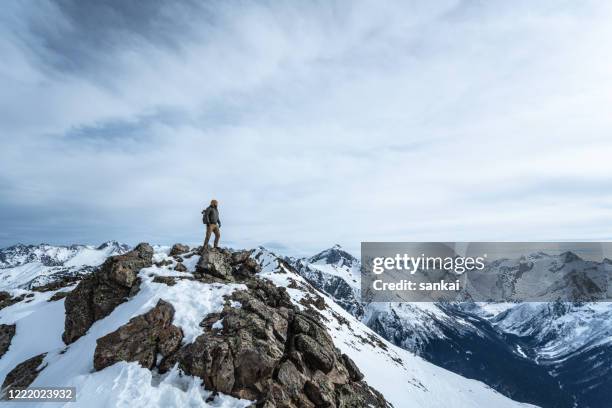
(551, 354)
(408, 354)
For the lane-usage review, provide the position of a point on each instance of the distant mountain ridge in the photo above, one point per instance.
(28, 266)
(536, 352)
(52, 255)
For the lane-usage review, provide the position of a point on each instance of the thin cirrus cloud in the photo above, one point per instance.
(313, 123)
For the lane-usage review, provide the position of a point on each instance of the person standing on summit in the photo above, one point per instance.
(210, 217)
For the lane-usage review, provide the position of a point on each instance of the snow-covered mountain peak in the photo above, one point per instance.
(334, 256)
(114, 247)
(569, 256)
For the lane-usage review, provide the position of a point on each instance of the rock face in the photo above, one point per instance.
(267, 350)
(141, 339)
(24, 373)
(96, 296)
(7, 331)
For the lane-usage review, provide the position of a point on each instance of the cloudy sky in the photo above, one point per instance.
(312, 123)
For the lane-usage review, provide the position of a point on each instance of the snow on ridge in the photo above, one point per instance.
(40, 325)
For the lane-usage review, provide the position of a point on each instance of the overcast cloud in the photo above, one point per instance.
(312, 123)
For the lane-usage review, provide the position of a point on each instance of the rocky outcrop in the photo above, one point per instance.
(60, 282)
(163, 262)
(240, 358)
(267, 350)
(141, 339)
(96, 296)
(178, 249)
(217, 263)
(24, 373)
(227, 266)
(7, 332)
(7, 300)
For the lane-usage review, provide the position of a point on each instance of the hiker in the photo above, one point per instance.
(213, 223)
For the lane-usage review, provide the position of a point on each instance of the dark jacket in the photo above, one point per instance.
(211, 216)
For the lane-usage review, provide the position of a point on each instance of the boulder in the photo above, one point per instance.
(314, 354)
(240, 256)
(291, 379)
(216, 263)
(180, 267)
(24, 373)
(96, 296)
(141, 339)
(7, 332)
(320, 390)
(247, 269)
(178, 249)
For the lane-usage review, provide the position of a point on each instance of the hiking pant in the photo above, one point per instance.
(210, 229)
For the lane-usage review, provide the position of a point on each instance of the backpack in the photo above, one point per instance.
(205, 216)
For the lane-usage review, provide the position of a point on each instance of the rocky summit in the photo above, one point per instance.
(260, 347)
